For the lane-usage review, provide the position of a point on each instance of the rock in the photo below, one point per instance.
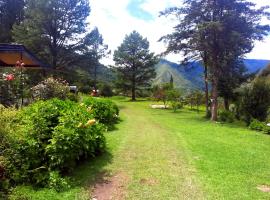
(159, 106)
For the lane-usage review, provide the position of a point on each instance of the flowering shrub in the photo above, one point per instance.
(13, 84)
(50, 138)
(105, 111)
(50, 88)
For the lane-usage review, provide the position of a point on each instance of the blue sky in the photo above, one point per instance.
(134, 8)
(117, 18)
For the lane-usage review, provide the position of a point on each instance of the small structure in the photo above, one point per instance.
(10, 54)
(16, 55)
(73, 89)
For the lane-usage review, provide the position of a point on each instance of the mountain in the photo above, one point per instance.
(265, 73)
(190, 77)
(255, 65)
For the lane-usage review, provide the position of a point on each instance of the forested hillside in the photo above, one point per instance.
(191, 76)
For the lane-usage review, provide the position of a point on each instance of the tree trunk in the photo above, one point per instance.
(95, 77)
(54, 50)
(226, 103)
(206, 90)
(133, 98)
(214, 100)
(133, 89)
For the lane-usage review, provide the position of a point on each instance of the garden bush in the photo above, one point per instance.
(106, 90)
(259, 126)
(50, 88)
(7, 126)
(226, 116)
(254, 101)
(176, 105)
(105, 111)
(73, 97)
(51, 138)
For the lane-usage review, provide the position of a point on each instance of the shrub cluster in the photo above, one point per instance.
(254, 101)
(51, 137)
(259, 126)
(105, 111)
(7, 126)
(226, 116)
(50, 88)
(106, 90)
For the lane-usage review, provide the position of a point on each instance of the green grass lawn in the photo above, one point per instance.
(159, 154)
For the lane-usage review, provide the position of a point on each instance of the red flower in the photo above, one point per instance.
(10, 77)
(19, 64)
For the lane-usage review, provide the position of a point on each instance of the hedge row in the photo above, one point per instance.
(48, 138)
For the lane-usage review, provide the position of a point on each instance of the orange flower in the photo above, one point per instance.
(90, 122)
(80, 125)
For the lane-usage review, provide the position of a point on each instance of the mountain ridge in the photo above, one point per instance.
(190, 77)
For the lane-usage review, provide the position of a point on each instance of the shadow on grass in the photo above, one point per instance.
(87, 173)
(136, 101)
(113, 127)
(81, 180)
(121, 107)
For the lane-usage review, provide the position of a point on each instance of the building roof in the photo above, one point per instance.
(11, 53)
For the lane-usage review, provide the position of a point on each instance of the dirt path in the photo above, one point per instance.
(149, 163)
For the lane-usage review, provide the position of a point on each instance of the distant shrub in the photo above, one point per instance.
(50, 88)
(73, 97)
(168, 95)
(266, 130)
(259, 126)
(52, 136)
(176, 105)
(226, 116)
(256, 125)
(106, 90)
(254, 101)
(105, 111)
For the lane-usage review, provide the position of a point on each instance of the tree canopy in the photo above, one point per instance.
(53, 29)
(11, 12)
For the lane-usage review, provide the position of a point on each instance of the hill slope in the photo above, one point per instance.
(191, 77)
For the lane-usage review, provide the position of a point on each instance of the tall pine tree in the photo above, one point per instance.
(93, 50)
(134, 63)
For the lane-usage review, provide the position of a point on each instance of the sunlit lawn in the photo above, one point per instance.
(166, 155)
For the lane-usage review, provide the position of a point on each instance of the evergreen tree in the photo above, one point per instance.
(218, 31)
(171, 81)
(11, 12)
(234, 75)
(134, 63)
(93, 50)
(52, 29)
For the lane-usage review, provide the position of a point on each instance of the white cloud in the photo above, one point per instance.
(114, 22)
